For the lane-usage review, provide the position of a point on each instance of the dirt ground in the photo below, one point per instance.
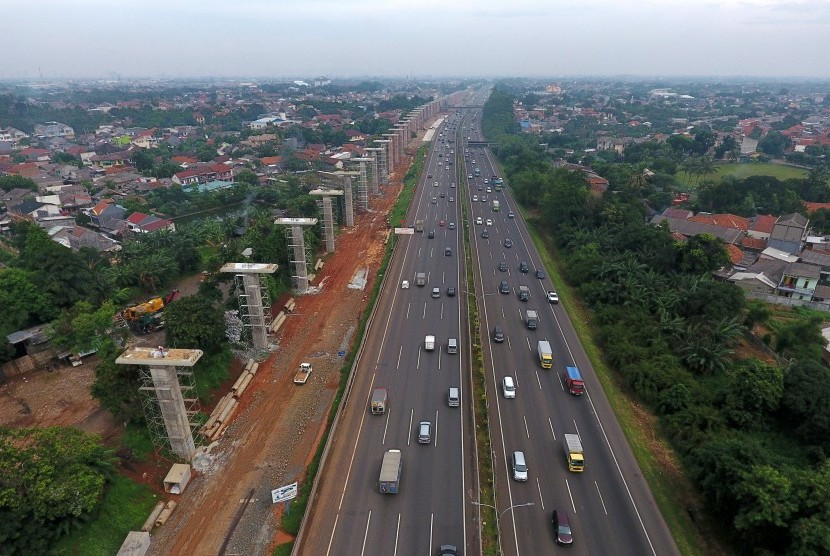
(278, 425)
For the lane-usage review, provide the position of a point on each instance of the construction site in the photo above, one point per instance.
(263, 429)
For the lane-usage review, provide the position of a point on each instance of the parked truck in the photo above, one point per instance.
(302, 375)
(390, 472)
(545, 354)
(379, 400)
(574, 381)
(429, 343)
(573, 453)
(420, 279)
(531, 319)
(524, 293)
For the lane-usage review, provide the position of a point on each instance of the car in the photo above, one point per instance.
(475, 198)
(435, 200)
(503, 266)
(487, 181)
(452, 185)
(431, 234)
(562, 527)
(447, 550)
(436, 292)
(553, 297)
(435, 184)
(424, 432)
(447, 168)
(448, 251)
(485, 234)
(479, 221)
(508, 242)
(508, 387)
(405, 285)
(511, 215)
(429, 176)
(480, 188)
(519, 465)
(504, 287)
(489, 190)
(442, 194)
(441, 223)
(489, 221)
(523, 267)
(451, 225)
(540, 274)
(469, 176)
(451, 200)
(484, 198)
(450, 291)
(474, 161)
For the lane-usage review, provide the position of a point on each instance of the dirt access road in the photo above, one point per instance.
(228, 506)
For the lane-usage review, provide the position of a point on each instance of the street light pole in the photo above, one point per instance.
(500, 514)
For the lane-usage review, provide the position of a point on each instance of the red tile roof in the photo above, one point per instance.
(735, 253)
(754, 243)
(269, 160)
(764, 223)
(813, 207)
(722, 220)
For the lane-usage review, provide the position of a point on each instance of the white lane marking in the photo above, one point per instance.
(570, 495)
(527, 339)
(538, 379)
(333, 530)
(397, 533)
(385, 425)
(424, 316)
(408, 305)
(354, 450)
(539, 488)
(400, 352)
(440, 351)
(601, 501)
(527, 429)
(442, 311)
(366, 533)
(552, 433)
(409, 434)
(436, 428)
(418, 360)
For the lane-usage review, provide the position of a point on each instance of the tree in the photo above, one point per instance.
(7, 183)
(50, 480)
(767, 504)
(805, 402)
(774, 144)
(117, 386)
(195, 322)
(801, 339)
(23, 303)
(144, 161)
(701, 254)
(755, 391)
(81, 328)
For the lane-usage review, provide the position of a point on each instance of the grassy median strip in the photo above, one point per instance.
(292, 520)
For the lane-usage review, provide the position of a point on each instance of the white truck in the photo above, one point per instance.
(429, 343)
(545, 354)
(390, 472)
(379, 400)
(420, 279)
(302, 375)
(573, 453)
(531, 319)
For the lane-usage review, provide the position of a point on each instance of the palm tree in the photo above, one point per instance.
(706, 166)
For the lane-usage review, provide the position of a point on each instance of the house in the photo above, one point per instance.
(761, 226)
(722, 220)
(54, 129)
(106, 215)
(789, 233)
(34, 154)
(140, 223)
(204, 173)
(799, 281)
(16, 196)
(109, 160)
(615, 144)
(12, 135)
(35, 210)
(689, 228)
(760, 278)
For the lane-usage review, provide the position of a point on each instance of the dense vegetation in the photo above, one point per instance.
(753, 435)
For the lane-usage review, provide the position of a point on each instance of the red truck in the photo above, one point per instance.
(574, 381)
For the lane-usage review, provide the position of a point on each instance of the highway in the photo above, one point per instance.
(610, 505)
(351, 515)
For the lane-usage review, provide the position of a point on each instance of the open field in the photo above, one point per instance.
(741, 170)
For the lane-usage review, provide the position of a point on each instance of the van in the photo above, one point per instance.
(454, 397)
(519, 466)
(562, 527)
(452, 345)
(424, 432)
(508, 388)
(504, 287)
(498, 333)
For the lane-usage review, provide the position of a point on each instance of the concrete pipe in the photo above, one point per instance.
(165, 513)
(151, 520)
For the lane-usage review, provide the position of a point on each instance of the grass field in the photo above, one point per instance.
(741, 170)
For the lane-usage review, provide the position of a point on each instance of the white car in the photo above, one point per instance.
(405, 285)
(489, 190)
(508, 387)
(475, 198)
(489, 222)
(553, 297)
(479, 221)
(452, 185)
(435, 184)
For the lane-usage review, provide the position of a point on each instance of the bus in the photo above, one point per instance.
(495, 206)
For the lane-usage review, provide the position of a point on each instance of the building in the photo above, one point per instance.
(54, 129)
(789, 233)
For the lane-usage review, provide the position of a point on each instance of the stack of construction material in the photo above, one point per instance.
(221, 416)
(278, 322)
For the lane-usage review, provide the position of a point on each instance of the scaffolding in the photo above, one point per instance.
(345, 182)
(168, 396)
(254, 303)
(328, 214)
(362, 183)
(297, 250)
(375, 154)
(385, 166)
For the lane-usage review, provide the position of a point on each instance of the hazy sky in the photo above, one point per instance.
(339, 38)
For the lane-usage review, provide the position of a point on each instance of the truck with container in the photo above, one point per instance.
(573, 379)
(573, 453)
(429, 343)
(545, 354)
(390, 472)
(302, 375)
(420, 279)
(524, 293)
(531, 319)
(380, 397)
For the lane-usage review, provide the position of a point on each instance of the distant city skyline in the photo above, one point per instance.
(420, 38)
